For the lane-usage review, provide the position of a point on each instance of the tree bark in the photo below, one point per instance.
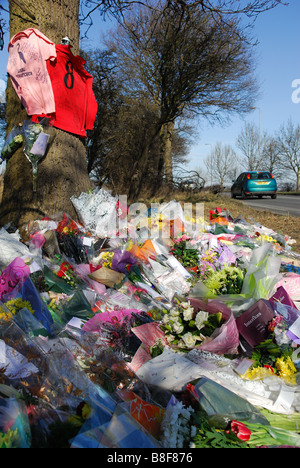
(167, 134)
(63, 171)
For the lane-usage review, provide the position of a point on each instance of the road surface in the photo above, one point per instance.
(287, 205)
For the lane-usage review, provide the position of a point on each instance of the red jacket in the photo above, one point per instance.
(75, 104)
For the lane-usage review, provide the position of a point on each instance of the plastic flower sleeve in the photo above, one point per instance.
(102, 409)
(12, 278)
(262, 274)
(28, 294)
(220, 403)
(124, 431)
(78, 306)
(28, 364)
(100, 362)
(13, 141)
(169, 371)
(15, 364)
(147, 414)
(36, 142)
(10, 248)
(122, 261)
(97, 211)
(14, 424)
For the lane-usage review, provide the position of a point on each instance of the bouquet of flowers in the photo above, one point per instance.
(185, 254)
(184, 328)
(36, 142)
(13, 306)
(70, 241)
(13, 141)
(228, 280)
(274, 355)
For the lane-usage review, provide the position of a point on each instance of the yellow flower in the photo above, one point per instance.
(286, 369)
(258, 373)
(107, 259)
(14, 306)
(266, 238)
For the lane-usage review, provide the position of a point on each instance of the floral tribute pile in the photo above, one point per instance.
(187, 341)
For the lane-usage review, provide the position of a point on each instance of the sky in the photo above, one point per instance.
(278, 70)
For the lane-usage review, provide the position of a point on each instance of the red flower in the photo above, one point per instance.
(64, 267)
(67, 226)
(240, 430)
(269, 367)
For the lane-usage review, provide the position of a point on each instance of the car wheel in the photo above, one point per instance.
(274, 196)
(243, 195)
(232, 195)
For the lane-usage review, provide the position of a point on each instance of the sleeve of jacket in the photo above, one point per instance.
(92, 106)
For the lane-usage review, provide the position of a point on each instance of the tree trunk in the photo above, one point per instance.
(167, 133)
(63, 171)
(139, 170)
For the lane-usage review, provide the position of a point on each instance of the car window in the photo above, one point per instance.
(260, 175)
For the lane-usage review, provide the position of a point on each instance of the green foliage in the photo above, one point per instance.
(209, 437)
(187, 256)
(266, 353)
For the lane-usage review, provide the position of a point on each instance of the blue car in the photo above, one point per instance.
(253, 183)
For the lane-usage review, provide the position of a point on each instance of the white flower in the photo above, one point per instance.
(185, 305)
(188, 314)
(165, 319)
(176, 426)
(201, 317)
(177, 328)
(174, 312)
(189, 340)
(170, 338)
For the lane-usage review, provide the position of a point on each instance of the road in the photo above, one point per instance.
(287, 205)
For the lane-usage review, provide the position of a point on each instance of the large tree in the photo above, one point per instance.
(186, 62)
(63, 172)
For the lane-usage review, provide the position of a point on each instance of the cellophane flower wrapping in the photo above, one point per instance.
(13, 141)
(150, 416)
(263, 273)
(124, 431)
(11, 247)
(97, 211)
(14, 425)
(36, 142)
(26, 293)
(219, 402)
(13, 277)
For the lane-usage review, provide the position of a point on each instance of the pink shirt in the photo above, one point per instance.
(28, 52)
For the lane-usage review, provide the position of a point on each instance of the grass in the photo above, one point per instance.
(284, 225)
